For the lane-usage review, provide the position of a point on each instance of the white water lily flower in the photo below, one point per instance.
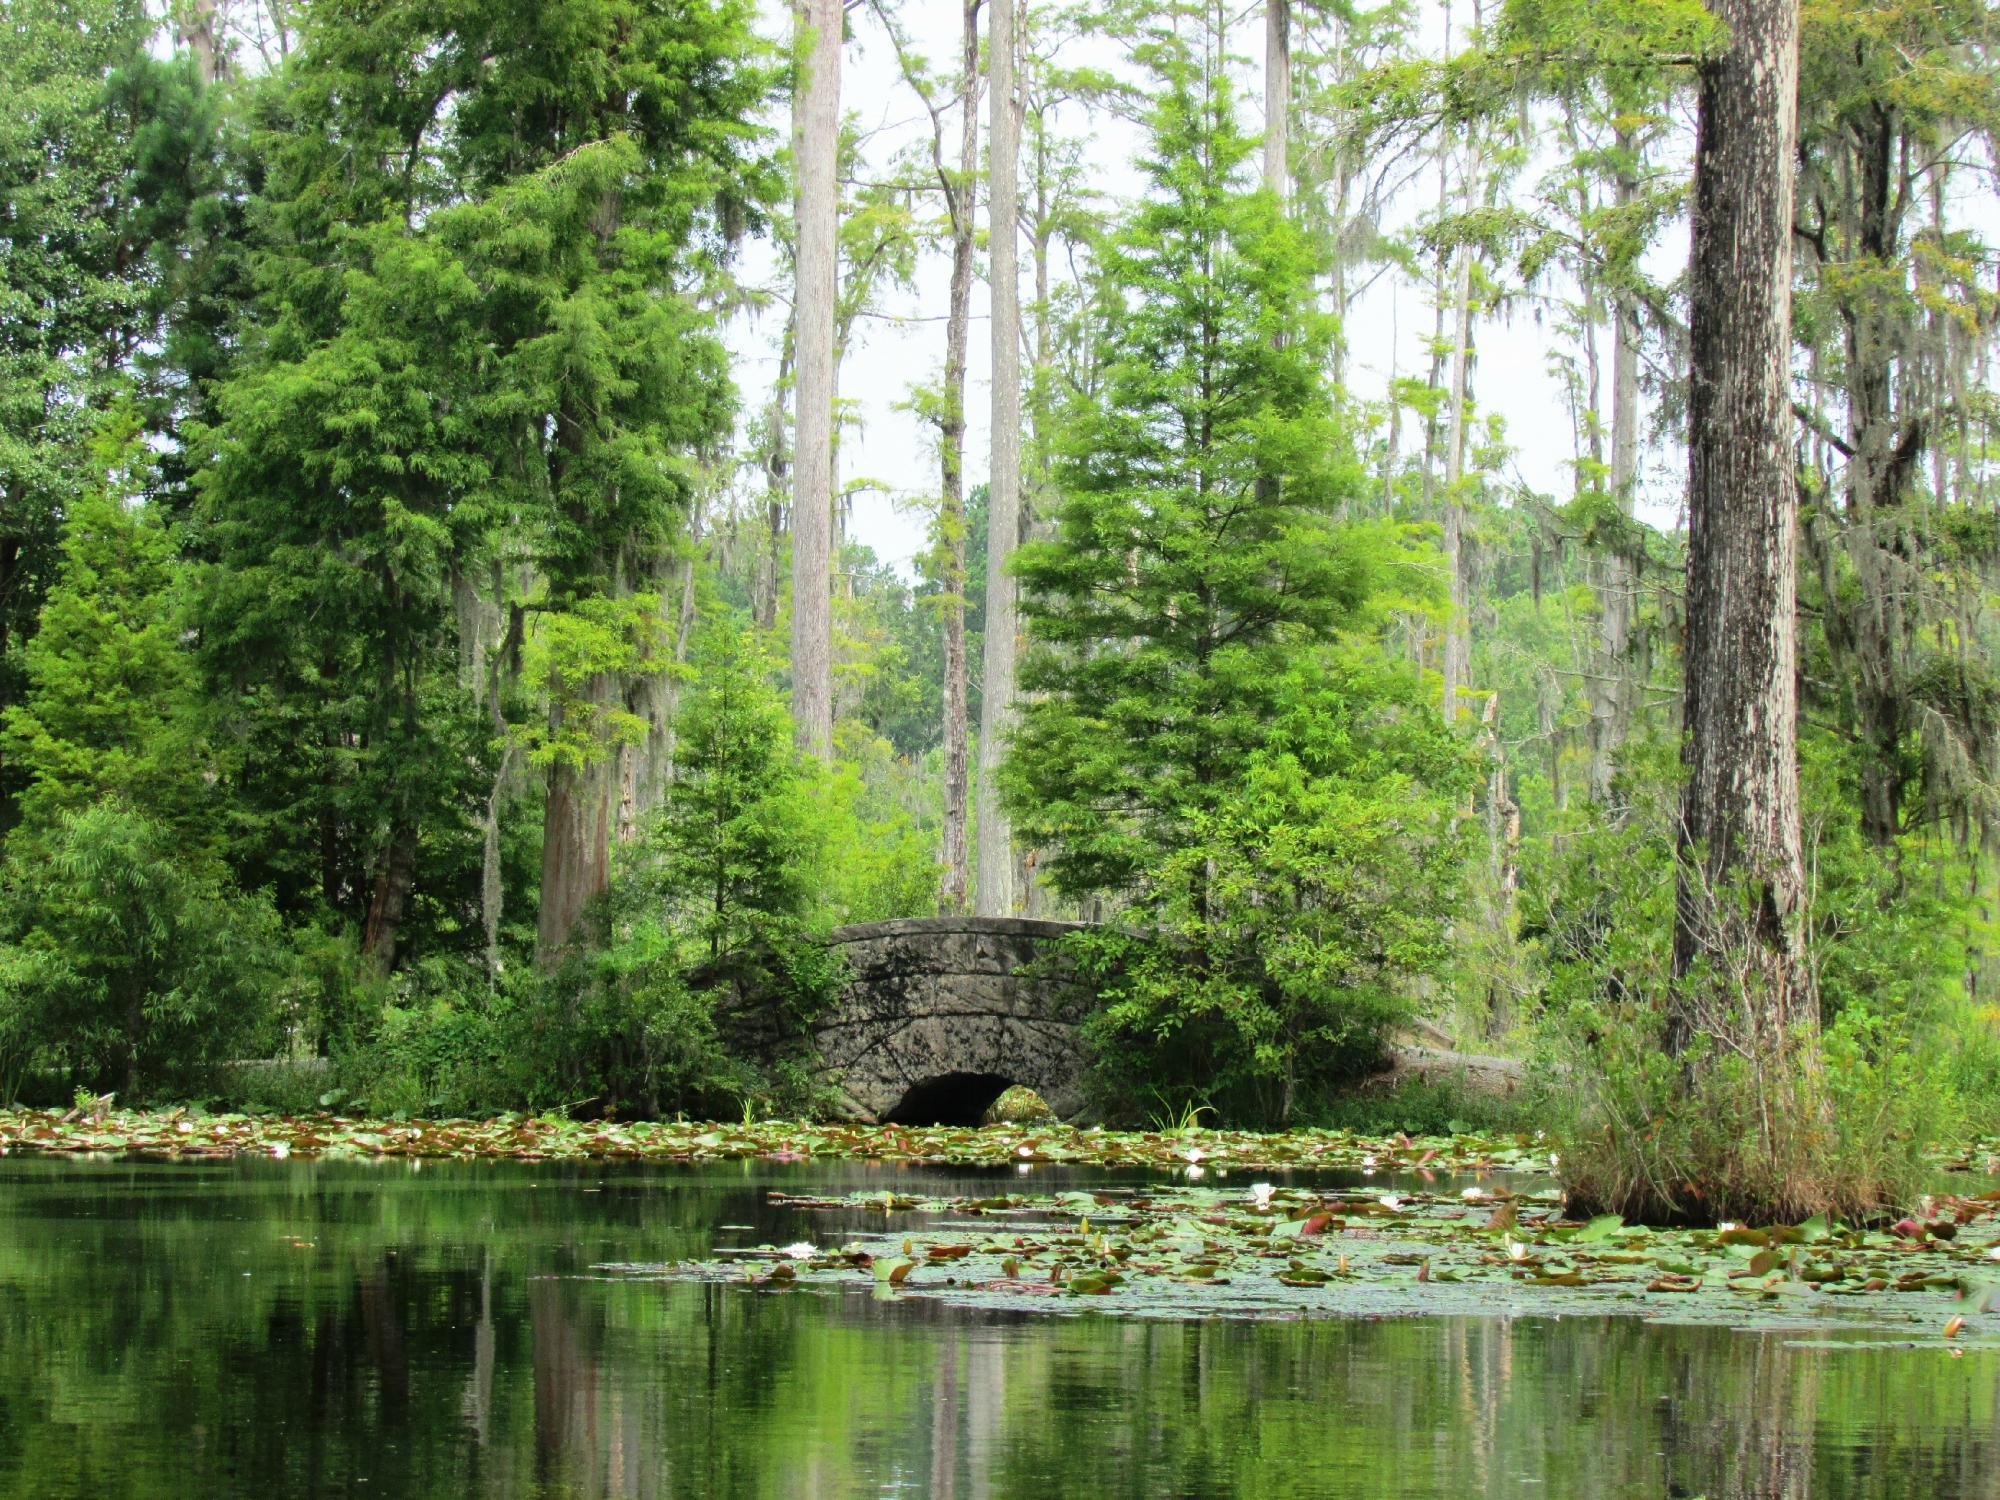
(1368, 1161)
(803, 1250)
(1994, 1253)
(1195, 1174)
(1515, 1249)
(1726, 1225)
(1261, 1194)
(1193, 1153)
(281, 1149)
(1389, 1200)
(1554, 1160)
(1473, 1195)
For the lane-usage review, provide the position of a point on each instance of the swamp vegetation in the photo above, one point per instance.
(443, 674)
(519, 519)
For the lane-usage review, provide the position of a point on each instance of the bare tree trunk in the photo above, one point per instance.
(996, 895)
(195, 20)
(576, 839)
(1338, 198)
(503, 663)
(683, 635)
(1884, 450)
(394, 879)
(961, 200)
(1278, 97)
(777, 483)
(815, 149)
(1740, 806)
(1616, 693)
(1436, 374)
(492, 885)
(1457, 644)
(652, 695)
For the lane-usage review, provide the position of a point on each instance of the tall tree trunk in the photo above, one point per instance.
(1338, 198)
(1740, 805)
(390, 899)
(1615, 692)
(502, 665)
(652, 695)
(996, 895)
(961, 199)
(815, 151)
(1880, 466)
(576, 838)
(1457, 641)
(777, 485)
(1278, 97)
(1436, 374)
(195, 20)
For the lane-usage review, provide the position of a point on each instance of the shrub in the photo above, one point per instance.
(1260, 957)
(438, 1048)
(126, 967)
(1744, 1124)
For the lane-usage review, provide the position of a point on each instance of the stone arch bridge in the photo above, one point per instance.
(938, 1019)
(940, 1015)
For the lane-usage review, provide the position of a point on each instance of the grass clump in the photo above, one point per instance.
(1743, 1119)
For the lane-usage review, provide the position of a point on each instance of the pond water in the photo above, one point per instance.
(285, 1329)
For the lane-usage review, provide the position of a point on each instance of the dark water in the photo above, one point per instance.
(297, 1329)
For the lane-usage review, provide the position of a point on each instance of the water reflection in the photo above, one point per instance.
(300, 1329)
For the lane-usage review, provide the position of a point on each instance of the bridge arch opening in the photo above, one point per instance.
(948, 1099)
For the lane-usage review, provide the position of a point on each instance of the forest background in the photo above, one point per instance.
(419, 419)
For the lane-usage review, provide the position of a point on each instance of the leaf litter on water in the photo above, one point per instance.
(182, 1134)
(1176, 1251)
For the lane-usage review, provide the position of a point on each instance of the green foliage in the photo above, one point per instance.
(123, 964)
(106, 710)
(879, 815)
(71, 288)
(1272, 813)
(1431, 1107)
(1285, 930)
(477, 371)
(707, 922)
(734, 858)
(1779, 1132)
(571, 649)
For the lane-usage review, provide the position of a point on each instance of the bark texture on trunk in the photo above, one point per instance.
(576, 840)
(1614, 692)
(1740, 807)
(961, 198)
(1457, 640)
(195, 20)
(815, 150)
(996, 895)
(390, 899)
(1278, 96)
(1884, 448)
(777, 486)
